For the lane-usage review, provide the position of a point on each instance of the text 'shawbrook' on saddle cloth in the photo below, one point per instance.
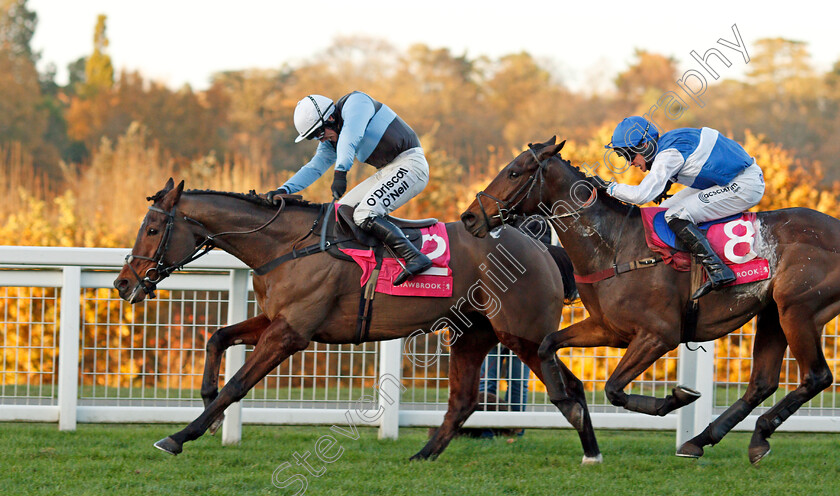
(434, 282)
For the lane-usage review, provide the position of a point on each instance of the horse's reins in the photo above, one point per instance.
(505, 207)
(162, 270)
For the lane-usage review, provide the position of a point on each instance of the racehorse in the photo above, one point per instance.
(642, 310)
(316, 298)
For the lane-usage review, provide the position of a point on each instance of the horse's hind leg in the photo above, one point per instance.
(277, 343)
(245, 332)
(466, 355)
(557, 377)
(768, 351)
(804, 339)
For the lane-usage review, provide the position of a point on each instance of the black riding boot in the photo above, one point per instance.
(394, 238)
(719, 273)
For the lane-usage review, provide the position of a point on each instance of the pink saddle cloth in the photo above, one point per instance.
(732, 238)
(436, 281)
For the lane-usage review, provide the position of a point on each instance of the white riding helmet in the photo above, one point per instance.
(311, 114)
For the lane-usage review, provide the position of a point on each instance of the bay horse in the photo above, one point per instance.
(642, 310)
(316, 298)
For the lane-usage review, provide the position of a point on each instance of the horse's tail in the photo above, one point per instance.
(564, 263)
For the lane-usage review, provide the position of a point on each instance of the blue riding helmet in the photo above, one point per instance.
(633, 132)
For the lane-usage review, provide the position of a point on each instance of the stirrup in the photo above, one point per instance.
(708, 286)
(406, 274)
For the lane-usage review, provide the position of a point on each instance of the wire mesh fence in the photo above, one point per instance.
(29, 345)
(152, 354)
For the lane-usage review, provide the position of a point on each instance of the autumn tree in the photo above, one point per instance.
(647, 78)
(23, 118)
(99, 73)
(436, 91)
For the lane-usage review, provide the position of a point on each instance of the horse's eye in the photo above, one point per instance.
(152, 231)
(514, 174)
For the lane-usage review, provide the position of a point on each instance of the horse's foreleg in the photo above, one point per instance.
(560, 382)
(466, 355)
(245, 332)
(584, 334)
(641, 353)
(558, 379)
(804, 339)
(768, 352)
(277, 343)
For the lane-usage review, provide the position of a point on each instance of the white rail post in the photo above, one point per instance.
(390, 387)
(235, 355)
(68, 348)
(696, 370)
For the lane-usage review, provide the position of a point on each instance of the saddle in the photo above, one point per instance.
(342, 230)
(338, 232)
(667, 236)
(739, 236)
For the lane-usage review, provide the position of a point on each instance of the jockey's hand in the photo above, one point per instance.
(664, 195)
(339, 184)
(600, 182)
(270, 196)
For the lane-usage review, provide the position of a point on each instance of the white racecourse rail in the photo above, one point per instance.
(143, 363)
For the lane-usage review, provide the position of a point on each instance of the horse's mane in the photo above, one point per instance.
(610, 201)
(251, 197)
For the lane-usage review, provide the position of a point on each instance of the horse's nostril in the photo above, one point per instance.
(468, 219)
(121, 284)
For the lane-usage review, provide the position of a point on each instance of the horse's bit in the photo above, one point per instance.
(160, 269)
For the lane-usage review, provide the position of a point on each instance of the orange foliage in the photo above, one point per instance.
(103, 203)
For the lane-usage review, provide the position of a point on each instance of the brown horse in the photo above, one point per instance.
(642, 310)
(316, 298)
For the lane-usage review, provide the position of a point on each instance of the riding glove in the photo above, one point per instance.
(339, 185)
(275, 192)
(601, 183)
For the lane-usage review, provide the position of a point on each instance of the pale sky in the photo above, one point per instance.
(186, 41)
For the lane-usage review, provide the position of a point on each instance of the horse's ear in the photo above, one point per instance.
(169, 185)
(551, 141)
(173, 195)
(551, 150)
(178, 190)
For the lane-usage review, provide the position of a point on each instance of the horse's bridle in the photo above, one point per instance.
(161, 269)
(505, 207)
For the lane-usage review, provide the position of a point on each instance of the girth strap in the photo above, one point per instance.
(691, 312)
(366, 302)
(318, 247)
(616, 270)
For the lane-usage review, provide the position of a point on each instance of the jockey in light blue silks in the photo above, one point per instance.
(722, 179)
(359, 127)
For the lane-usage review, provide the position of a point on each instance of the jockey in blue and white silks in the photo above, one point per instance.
(722, 179)
(359, 127)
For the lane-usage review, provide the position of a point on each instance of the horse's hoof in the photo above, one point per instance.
(216, 424)
(168, 445)
(420, 457)
(685, 395)
(690, 450)
(592, 460)
(758, 452)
